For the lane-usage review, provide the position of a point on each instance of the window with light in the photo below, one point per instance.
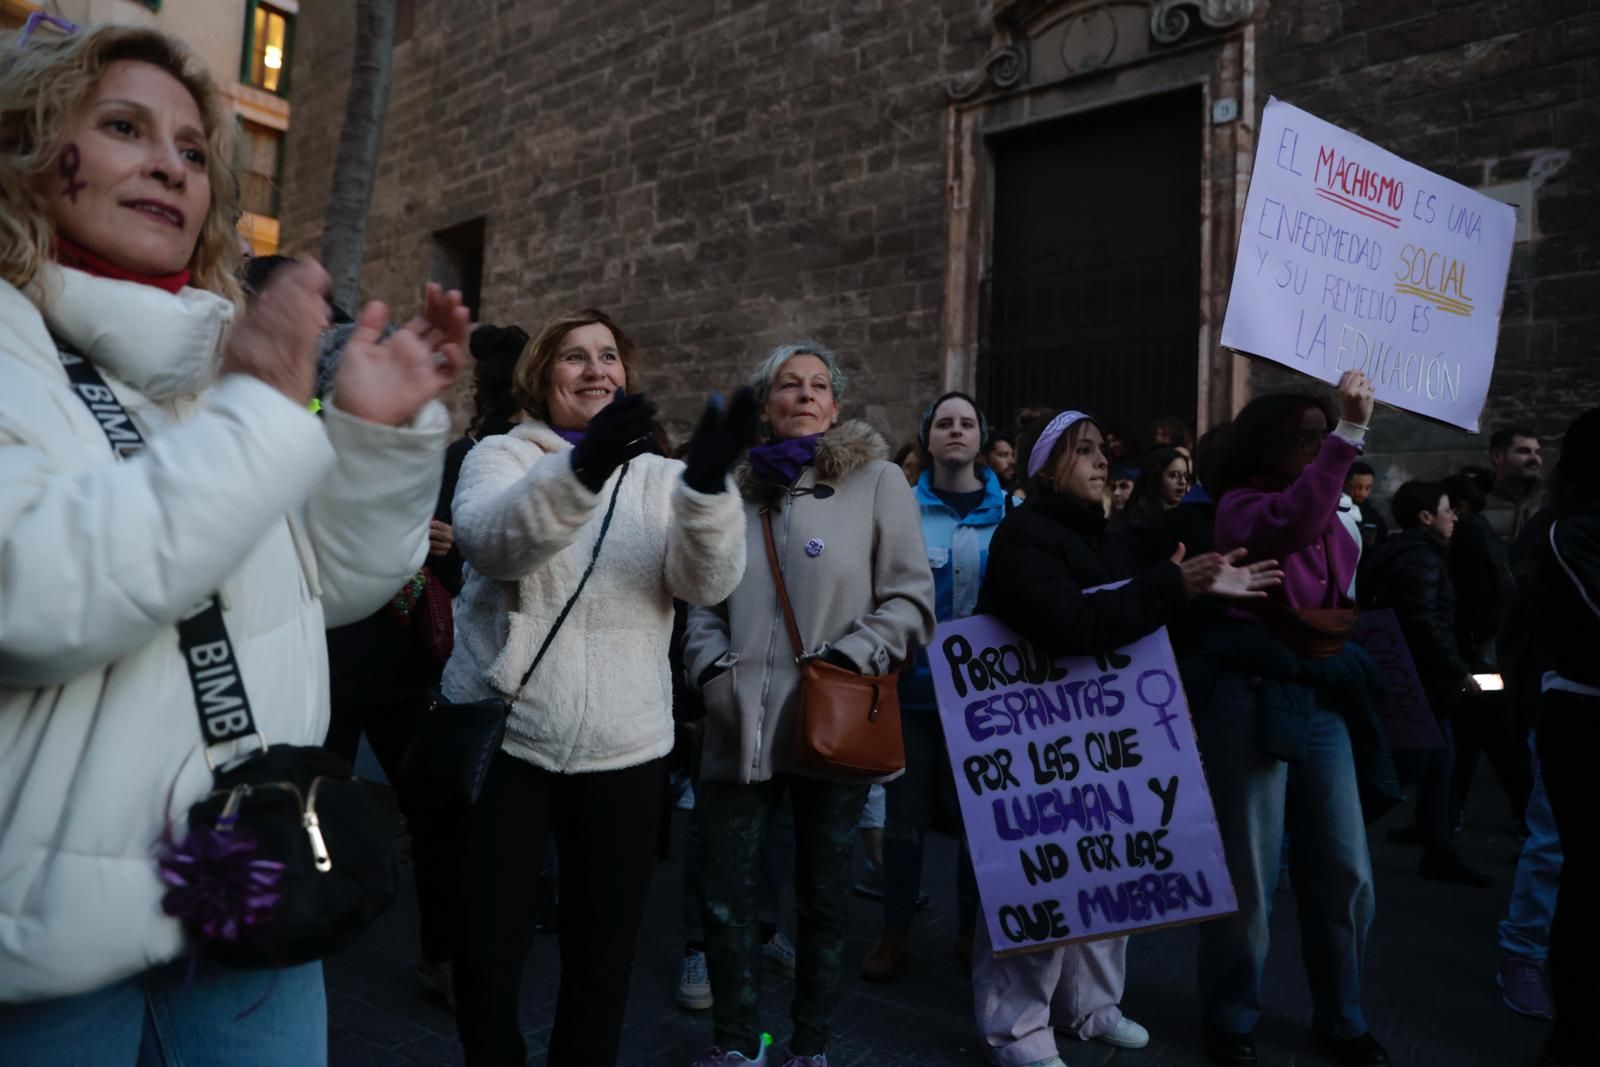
(269, 34)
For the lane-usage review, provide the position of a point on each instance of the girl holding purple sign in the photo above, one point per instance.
(1043, 559)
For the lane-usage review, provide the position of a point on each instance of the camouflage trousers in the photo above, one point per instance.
(733, 821)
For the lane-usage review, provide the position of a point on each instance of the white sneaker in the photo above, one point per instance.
(694, 983)
(778, 954)
(1053, 1061)
(1126, 1034)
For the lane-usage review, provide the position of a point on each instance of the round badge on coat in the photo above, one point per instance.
(814, 547)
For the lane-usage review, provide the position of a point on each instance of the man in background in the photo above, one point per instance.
(1359, 484)
(1517, 461)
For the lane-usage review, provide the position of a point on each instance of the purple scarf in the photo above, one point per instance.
(782, 461)
(571, 437)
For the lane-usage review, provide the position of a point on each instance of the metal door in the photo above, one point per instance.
(1092, 299)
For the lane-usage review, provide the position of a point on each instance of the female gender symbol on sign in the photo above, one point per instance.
(1160, 703)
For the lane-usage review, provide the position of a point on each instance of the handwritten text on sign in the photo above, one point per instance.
(1350, 258)
(1085, 806)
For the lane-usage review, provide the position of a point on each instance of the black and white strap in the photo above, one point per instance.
(219, 696)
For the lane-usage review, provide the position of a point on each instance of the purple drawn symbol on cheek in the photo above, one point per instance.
(814, 548)
(71, 163)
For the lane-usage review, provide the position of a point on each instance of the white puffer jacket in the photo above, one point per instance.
(301, 523)
(602, 698)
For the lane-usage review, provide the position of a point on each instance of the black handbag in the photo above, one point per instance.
(449, 755)
(290, 857)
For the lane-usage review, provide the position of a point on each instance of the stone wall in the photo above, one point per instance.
(721, 175)
(724, 175)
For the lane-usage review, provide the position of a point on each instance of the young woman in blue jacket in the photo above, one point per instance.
(962, 502)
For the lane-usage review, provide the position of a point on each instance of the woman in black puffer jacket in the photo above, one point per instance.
(1043, 559)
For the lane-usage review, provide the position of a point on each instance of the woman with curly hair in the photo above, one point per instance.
(117, 253)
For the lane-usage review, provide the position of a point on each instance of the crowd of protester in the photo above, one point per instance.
(295, 473)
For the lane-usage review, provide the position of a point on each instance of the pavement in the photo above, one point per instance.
(1430, 995)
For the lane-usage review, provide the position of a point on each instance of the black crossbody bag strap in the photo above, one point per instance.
(605, 525)
(219, 697)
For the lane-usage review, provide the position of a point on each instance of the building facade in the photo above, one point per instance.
(248, 46)
(1038, 200)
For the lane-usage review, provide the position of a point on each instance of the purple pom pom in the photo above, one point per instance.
(218, 884)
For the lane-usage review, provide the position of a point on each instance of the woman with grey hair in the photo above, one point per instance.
(848, 539)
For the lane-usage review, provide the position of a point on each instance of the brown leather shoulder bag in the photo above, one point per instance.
(846, 723)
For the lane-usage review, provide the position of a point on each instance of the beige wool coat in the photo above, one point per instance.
(858, 576)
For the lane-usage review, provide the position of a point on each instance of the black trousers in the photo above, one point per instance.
(1483, 724)
(605, 827)
(1569, 731)
(1434, 814)
(438, 832)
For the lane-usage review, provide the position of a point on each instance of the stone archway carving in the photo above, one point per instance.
(1170, 20)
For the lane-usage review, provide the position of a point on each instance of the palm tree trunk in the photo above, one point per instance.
(345, 226)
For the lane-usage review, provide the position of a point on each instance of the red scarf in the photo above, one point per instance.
(71, 254)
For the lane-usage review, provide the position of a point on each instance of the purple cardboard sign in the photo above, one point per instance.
(1407, 719)
(1085, 805)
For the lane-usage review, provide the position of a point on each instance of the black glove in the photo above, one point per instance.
(619, 432)
(719, 441)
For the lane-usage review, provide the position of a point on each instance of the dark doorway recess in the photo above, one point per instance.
(456, 261)
(1092, 299)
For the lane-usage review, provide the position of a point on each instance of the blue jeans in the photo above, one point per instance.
(1569, 727)
(1329, 866)
(161, 1019)
(1525, 931)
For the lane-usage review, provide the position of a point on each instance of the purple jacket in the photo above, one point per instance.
(1299, 528)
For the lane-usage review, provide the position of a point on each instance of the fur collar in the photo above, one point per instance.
(842, 451)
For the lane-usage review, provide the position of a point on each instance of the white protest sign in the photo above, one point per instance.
(1350, 258)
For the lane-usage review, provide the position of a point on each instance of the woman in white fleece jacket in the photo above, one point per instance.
(117, 240)
(584, 752)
